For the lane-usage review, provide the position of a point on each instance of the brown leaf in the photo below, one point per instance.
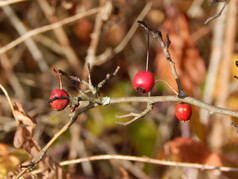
(187, 150)
(189, 65)
(26, 125)
(18, 137)
(24, 138)
(21, 116)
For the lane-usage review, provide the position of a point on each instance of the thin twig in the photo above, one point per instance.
(91, 52)
(151, 161)
(160, 80)
(74, 80)
(108, 77)
(218, 14)
(146, 160)
(109, 53)
(89, 75)
(147, 51)
(128, 36)
(103, 11)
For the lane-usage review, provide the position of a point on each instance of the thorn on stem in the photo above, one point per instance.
(168, 40)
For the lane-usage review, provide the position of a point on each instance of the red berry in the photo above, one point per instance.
(143, 81)
(183, 111)
(59, 104)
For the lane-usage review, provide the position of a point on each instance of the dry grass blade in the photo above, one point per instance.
(31, 45)
(4, 3)
(145, 160)
(46, 28)
(7, 96)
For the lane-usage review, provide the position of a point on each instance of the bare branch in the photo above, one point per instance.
(157, 99)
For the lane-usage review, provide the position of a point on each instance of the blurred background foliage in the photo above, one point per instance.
(157, 135)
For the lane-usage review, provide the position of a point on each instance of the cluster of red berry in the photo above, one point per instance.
(144, 81)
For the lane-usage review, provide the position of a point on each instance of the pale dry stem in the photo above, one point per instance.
(8, 2)
(109, 53)
(46, 28)
(135, 115)
(218, 14)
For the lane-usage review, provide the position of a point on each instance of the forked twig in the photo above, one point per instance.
(135, 115)
(108, 77)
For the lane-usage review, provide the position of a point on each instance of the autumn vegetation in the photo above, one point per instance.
(118, 89)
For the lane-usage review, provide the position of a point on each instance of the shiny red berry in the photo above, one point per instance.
(143, 81)
(59, 104)
(183, 111)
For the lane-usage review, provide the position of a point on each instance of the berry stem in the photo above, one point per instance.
(147, 51)
(59, 75)
(160, 80)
